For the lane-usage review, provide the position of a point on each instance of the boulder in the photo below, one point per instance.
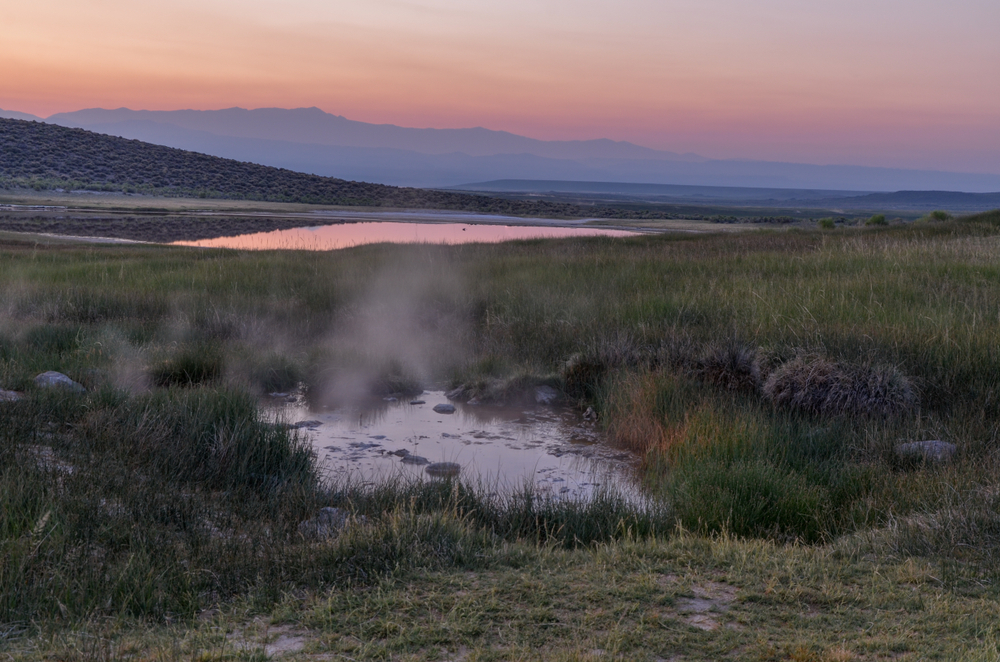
(9, 396)
(444, 409)
(327, 524)
(415, 459)
(52, 379)
(546, 395)
(932, 451)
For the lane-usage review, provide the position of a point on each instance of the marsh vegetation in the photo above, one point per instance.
(765, 379)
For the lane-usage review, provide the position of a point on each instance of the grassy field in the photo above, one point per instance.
(765, 378)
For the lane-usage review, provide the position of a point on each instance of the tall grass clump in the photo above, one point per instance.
(817, 385)
(147, 506)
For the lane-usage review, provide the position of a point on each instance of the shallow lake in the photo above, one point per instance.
(553, 448)
(347, 234)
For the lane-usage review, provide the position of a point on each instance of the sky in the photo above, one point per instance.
(899, 83)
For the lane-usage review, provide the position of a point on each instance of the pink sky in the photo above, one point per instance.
(909, 83)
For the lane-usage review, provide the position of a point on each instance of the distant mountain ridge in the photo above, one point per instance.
(312, 141)
(316, 127)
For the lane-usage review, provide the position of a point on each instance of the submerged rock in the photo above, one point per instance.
(304, 424)
(53, 379)
(418, 402)
(9, 396)
(546, 395)
(934, 450)
(327, 524)
(444, 409)
(443, 469)
(415, 459)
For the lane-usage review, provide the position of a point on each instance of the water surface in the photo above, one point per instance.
(553, 448)
(345, 235)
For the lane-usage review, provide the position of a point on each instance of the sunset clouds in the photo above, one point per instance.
(909, 83)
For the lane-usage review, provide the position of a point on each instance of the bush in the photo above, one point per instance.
(826, 223)
(732, 367)
(877, 219)
(816, 385)
(195, 365)
(939, 215)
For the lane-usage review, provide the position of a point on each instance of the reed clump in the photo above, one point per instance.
(816, 385)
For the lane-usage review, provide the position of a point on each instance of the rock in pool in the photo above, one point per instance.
(444, 409)
(443, 469)
(418, 402)
(53, 379)
(546, 395)
(304, 424)
(414, 459)
(934, 450)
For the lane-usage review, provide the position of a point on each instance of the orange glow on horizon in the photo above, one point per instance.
(779, 80)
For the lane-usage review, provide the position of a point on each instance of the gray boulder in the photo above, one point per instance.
(52, 379)
(414, 459)
(931, 451)
(444, 409)
(9, 396)
(327, 524)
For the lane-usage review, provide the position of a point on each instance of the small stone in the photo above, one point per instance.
(444, 409)
(443, 469)
(402, 452)
(417, 402)
(546, 395)
(391, 399)
(327, 524)
(934, 450)
(415, 459)
(52, 379)
(9, 396)
(474, 402)
(590, 414)
(277, 395)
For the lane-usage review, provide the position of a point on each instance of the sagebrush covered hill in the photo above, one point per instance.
(47, 156)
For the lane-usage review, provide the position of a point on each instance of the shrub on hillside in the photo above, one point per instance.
(877, 219)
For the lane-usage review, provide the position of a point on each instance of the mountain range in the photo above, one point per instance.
(312, 141)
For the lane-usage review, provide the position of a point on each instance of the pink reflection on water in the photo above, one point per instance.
(345, 235)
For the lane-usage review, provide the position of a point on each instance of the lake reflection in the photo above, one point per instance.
(345, 235)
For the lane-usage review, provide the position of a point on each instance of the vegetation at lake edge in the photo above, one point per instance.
(766, 379)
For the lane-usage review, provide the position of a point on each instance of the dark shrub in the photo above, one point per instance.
(819, 386)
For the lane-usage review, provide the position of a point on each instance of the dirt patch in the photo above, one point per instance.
(706, 603)
(275, 641)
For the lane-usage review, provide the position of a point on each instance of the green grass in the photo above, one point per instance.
(182, 498)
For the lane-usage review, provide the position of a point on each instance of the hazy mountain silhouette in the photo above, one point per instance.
(313, 126)
(14, 115)
(312, 141)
